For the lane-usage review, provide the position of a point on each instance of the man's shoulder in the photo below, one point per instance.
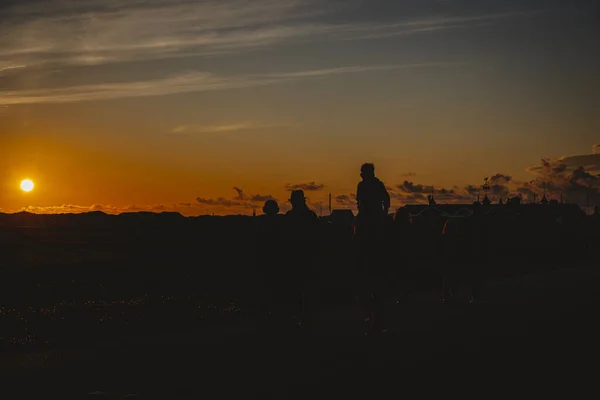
(310, 213)
(302, 214)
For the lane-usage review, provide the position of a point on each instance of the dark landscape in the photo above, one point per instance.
(150, 303)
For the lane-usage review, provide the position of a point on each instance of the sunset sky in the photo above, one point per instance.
(215, 106)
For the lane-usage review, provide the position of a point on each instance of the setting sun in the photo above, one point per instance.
(27, 185)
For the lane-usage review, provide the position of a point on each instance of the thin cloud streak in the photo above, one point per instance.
(67, 33)
(349, 70)
(183, 83)
(103, 32)
(234, 127)
(9, 67)
(426, 25)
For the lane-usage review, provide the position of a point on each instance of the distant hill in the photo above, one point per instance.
(92, 219)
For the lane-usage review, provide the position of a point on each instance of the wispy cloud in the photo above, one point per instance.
(242, 196)
(308, 186)
(409, 192)
(233, 127)
(590, 162)
(426, 25)
(182, 83)
(8, 67)
(111, 31)
(350, 70)
(66, 32)
(221, 201)
(575, 177)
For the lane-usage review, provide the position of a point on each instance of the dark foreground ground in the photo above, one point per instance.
(530, 336)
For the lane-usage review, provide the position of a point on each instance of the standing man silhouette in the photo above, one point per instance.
(373, 201)
(372, 197)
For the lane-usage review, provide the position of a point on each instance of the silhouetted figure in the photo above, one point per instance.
(271, 285)
(302, 238)
(373, 201)
(270, 208)
(300, 210)
(372, 198)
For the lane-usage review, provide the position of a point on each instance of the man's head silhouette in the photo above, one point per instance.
(297, 198)
(367, 171)
(271, 207)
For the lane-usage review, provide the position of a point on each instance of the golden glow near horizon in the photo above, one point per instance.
(226, 103)
(27, 185)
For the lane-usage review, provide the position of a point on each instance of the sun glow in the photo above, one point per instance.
(27, 185)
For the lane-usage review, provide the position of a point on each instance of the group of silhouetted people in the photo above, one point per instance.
(454, 246)
(285, 259)
(288, 244)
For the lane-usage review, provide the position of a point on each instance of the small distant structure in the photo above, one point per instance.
(544, 198)
(486, 188)
(486, 201)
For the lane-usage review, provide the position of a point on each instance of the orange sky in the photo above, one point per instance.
(127, 110)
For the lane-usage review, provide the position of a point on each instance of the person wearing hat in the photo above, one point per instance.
(302, 225)
(299, 208)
